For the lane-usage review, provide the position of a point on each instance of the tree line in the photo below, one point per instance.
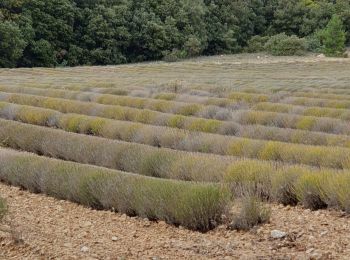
(98, 32)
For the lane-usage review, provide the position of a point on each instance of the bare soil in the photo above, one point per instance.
(55, 229)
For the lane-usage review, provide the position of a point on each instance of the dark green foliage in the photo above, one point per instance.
(193, 46)
(100, 32)
(334, 38)
(174, 55)
(342, 8)
(222, 27)
(301, 17)
(284, 45)
(42, 54)
(11, 44)
(313, 42)
(257, 43)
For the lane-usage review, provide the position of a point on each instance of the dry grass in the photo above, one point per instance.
(290, 185)
(131, 157)
(343, 114)
(192, 205)
(318, 102)
(252, 213)
(123, 113)
(165, 106)
(334, 157)
(282, 120)
(268, 129)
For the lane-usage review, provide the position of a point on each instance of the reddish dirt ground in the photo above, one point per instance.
(54, 229)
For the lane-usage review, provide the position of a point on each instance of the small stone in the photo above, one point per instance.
(316, 256)
(311, 237)
(259, 230)
(276, 234)
(324, 233)
(86, 224)
(84, 249)
(310, 250)
(67, 244)
(114, 238)
(321, 55)
(146, 223)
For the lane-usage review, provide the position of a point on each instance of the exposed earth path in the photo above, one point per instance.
(54, 229)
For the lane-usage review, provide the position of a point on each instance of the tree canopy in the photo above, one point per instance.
(334, 37)
(99, 32)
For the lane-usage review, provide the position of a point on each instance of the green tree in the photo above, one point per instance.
(159, 28)
(342, 8)
(334, 37)
(104, 36)
(11, 44)
(289, 17)
(300, 17)
(222, 27)
(41, 53)
(284, 45)
(193, 46)
(100, 32)
(52, 24)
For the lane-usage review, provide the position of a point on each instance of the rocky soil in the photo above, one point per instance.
(46, 228)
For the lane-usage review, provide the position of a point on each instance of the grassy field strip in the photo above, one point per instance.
(98, 87)
(258, 132)
(221, 99)
(245, 95)
(315, 94)
(339, 87)
(342, 114)
(239, 97)
(217, 126)
(282, 120)
(289, 135)
(314, 189)
(226, 102)
(176, 121)
(209, 100)
(164, 106)
(118, 97)
(178, 139)
(317, 102)
(59, 91)
(325, 90)
(189, 98)
(192, 205)
(151, 197)
(249, 97)
(130, 157)
(123, 113)
(219, 73)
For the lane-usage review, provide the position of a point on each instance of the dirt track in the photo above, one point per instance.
(53, 229)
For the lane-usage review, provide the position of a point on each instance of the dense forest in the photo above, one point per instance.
(98, 32)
